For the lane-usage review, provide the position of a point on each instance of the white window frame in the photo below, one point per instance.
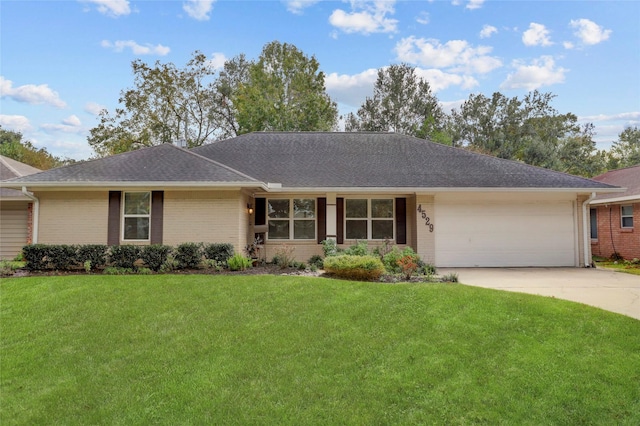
(370, 219)
(125, 215)
(626, 216)
(292, 219)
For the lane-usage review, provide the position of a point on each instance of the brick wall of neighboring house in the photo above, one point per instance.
(625, 241)
(29, 223)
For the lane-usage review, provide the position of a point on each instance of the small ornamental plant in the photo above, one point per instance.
(408, 265)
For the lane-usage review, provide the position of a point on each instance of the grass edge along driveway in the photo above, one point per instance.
(171, 349)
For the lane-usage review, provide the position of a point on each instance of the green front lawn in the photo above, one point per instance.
(204, 349)
(620, 266)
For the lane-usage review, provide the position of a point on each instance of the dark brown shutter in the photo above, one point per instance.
(261, 211)
(157, 201)
(322, 219)
(401, 221)
(113, 221)
(340, 220)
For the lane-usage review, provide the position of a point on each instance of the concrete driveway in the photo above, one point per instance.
(606, 289)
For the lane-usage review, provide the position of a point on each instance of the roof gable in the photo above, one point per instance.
(628, 178)
(162, 163)
(377, 160)
(9, 169)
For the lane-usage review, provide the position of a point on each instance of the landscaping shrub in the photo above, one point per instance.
(124, 256)
(36, 256)
(408, 265)
(188, 255)
(96, 254)
(330, 248)
(392, 258)
(155, 255)
(360, 248)
(238, 262)
(283, 257)
(354, 267)
(220, 252)
(316, 260)
(61, 256)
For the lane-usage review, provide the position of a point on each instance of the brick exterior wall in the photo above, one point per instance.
(625, 241)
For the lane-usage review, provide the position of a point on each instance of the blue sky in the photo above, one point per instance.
(61, 61)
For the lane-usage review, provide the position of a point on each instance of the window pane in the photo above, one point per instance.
(356, 208)
(136, 228)
(627, 222)
(137, 202)
(381, 229)
(278, 209)
(304, 208)
(278, 229)
(627, 210)
(594, 223)
(382, 208)
(356, 229)
(304, 229)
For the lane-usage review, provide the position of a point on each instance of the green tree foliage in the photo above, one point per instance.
(529, 130)
(625, 152)
(12, 146)
(166, 104)
(403, 103)
(285, 91)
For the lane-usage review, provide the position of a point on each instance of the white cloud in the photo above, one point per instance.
(541, 72)
(198, 9)
(71, 124)
(568, 45)
(449, 105)
(456, 55)
(589, 32)
(487, 31)
(30, 93)
(113, 8)
(423, 18)
(217, 60)
(297, 6)
(351, 89)
(623, 116)
(93, 108)
(536, 35)
(439, 80)
(366, 17)
(474, 4)
(18, 123)
(137, 49)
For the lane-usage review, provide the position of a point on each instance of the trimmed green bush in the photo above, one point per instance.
(316, 260)
(36, 256)
(188, 255)
(96, 254)
(238, 262)
(124, 256)
(220, 252)
(61, 256)
(155, 255)
(354, 267)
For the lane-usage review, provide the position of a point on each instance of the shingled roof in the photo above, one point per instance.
(628, 178)
(377, 160)
(9, 169)
(161, 164)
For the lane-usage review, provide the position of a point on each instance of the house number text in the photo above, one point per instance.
(427, 219)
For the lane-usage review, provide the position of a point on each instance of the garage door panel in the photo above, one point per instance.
(503, 234)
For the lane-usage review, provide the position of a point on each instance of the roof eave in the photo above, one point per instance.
(431, 190)
(125, 184)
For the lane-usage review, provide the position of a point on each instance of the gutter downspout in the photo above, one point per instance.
(585, 234)
(36, 213)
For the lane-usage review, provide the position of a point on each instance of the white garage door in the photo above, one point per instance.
(505, 234)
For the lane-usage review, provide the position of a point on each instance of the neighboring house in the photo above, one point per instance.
(615, 218)
(453, 206)
(15, 209)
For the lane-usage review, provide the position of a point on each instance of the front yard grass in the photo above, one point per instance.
(620, 266)
(202, 349)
